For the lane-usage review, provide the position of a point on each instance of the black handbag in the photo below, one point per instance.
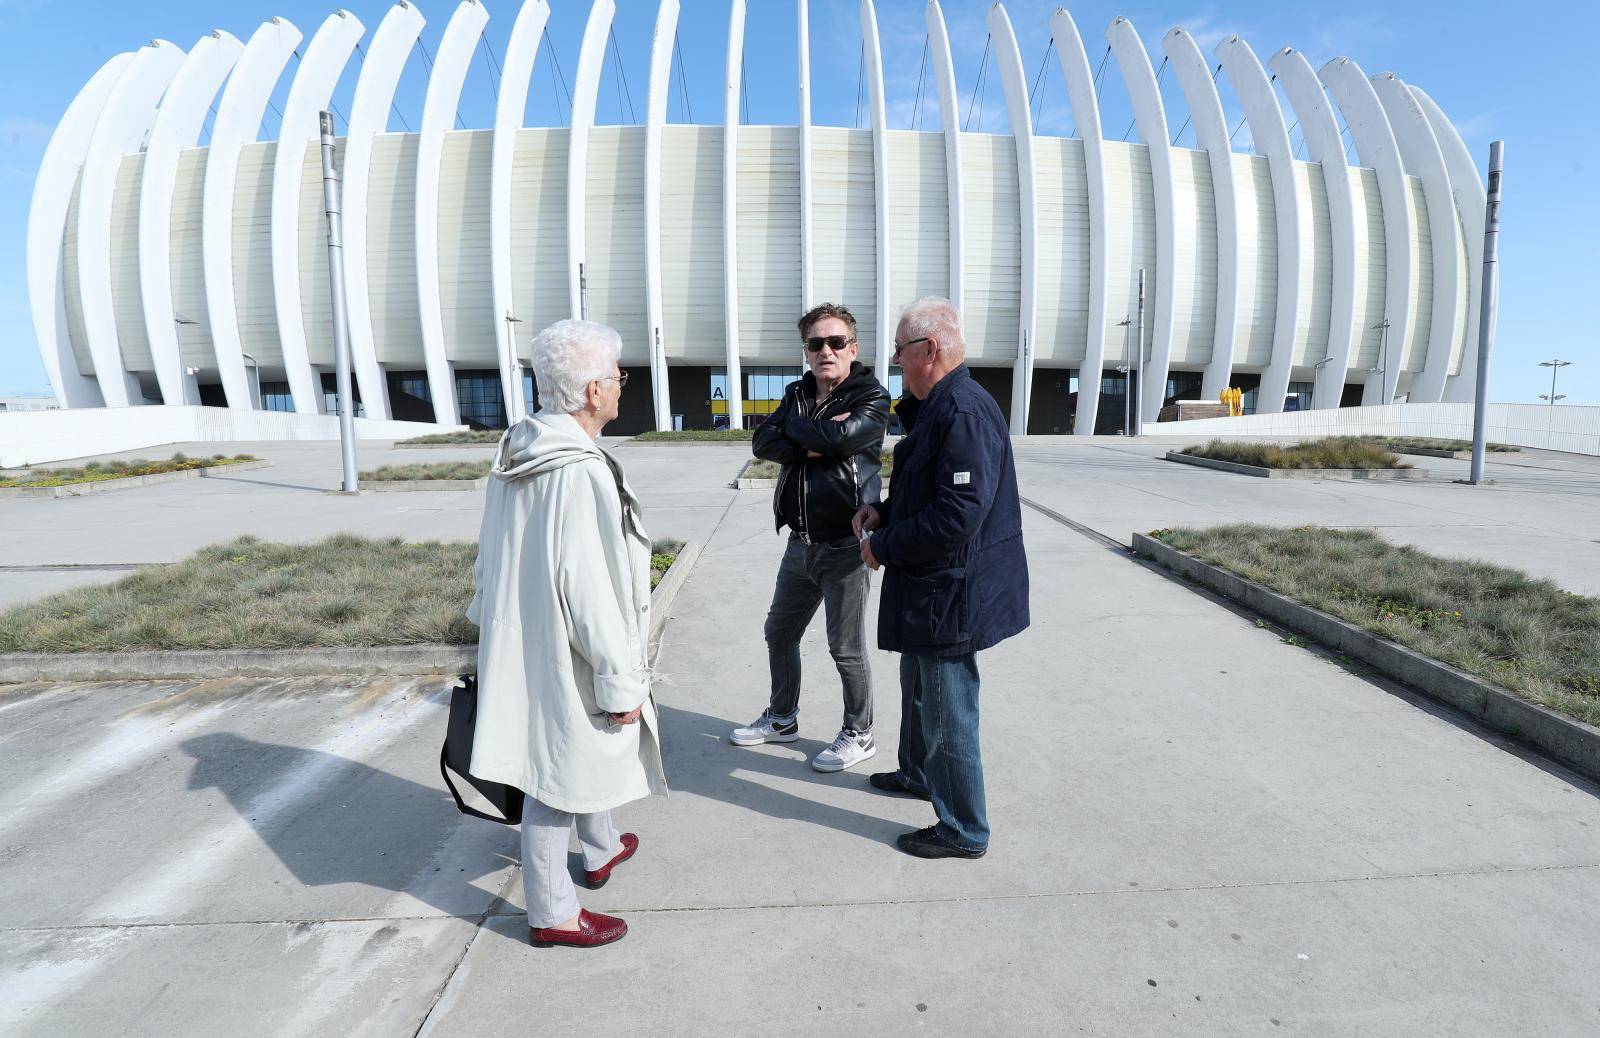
(456, 755)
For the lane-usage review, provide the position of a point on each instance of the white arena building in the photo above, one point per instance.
(162, 273)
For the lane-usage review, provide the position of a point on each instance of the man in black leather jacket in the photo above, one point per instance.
(828, 436)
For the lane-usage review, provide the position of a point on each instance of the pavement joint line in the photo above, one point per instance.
(499, 900)
(1094, 535)
(455, 967)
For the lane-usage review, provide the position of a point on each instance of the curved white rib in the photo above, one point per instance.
(655, 121)
(244, 100)
(177, 126)
(1369, 128)
(47, 221)
(1086, 114)
(1151, 117)
(1271, 136)
(385, 60)
(450, 66)
(944, 77)
(1424, 160)
(884, 333)
(1211, 133)
(521, 51)
(1015, 83)
(730, 211)
(1471, 200)
(121, 128)
(1325, 146)
(807, 262)
(585, 91)
(320, 69)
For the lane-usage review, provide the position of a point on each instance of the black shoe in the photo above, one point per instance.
(894, 782)
(927, 843)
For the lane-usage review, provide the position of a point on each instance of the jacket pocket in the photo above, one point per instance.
(933, 606)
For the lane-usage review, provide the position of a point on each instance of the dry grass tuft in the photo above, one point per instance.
(463, 470)
(1334, 452)
(251, 594)
(1434, 443)
(470, 436)
(698, 436)
(1523, 633)
(760, 468)
(96, 472)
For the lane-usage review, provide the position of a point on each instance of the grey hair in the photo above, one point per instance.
(567, 356)
(937, 318)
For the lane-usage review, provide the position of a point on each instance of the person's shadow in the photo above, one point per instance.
(369, 827)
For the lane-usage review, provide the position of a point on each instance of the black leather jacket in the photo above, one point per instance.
(832, 487)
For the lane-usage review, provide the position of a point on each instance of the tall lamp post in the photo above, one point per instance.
(1554, 366)
(1316, 372)
(513, 370)
(1383, 363)
(1127, 379)
(257, 369)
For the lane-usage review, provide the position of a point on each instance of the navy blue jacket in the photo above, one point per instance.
(956, 575)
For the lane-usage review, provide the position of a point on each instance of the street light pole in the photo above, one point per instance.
(1138, 412)
(341, 327)
(1554, 366)
(178, 321)
(1316, 372)
(1127, 381)
(514, 403)
(1487, 311)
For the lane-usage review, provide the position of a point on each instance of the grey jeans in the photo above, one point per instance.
(833, 576)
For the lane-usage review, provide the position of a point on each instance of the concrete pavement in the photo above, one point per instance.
(1199, 829)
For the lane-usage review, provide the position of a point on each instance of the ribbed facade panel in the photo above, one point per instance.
(614, 236)
(72, 287)
(188, 271)
(1063, 213)
(311, 234)
(693, 324)
(768, 206)
(1372, 272)
(538, 234)
(844, 223)
(1258, 260)
(993, 274)
(1130, 200)
(1316, 265)
(252, 255)
(919, 224)
(1416, 350)
(126, 298)
(1194, 315)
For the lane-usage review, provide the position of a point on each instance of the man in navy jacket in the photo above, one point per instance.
(950, 540)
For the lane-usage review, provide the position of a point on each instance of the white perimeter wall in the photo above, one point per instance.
(1575, 430)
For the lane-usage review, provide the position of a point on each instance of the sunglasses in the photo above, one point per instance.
(836, 343)
(900, 348)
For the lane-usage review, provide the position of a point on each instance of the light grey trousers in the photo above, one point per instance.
(546, 835)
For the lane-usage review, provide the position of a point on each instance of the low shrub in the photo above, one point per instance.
(462, 470)
(1335, 452)
(100, 471)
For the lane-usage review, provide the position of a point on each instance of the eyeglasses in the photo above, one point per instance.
(900, 348)
(836, 343)
(620, 378)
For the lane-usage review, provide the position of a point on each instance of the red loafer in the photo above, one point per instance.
(593, 930)
(598, 877)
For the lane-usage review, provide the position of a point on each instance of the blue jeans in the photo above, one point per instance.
(939, 749)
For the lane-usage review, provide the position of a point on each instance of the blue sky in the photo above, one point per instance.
(1527, 80)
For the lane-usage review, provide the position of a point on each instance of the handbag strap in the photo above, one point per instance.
(444, 770)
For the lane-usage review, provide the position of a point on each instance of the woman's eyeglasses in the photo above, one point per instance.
(620, 378)
(836, 343)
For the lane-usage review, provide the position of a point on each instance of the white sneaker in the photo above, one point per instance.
(849, 749)
(766, 728)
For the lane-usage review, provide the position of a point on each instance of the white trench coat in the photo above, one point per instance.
(563, 610)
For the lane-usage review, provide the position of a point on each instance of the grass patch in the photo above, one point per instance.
(1434, 443)
(1334, 452)
(469, 436)
(462, 470)
(98, 472)
(760, 468)
(251, 594)
(697, 436)
(1520, 632)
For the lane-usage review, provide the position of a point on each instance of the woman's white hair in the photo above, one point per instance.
(567, 356)
(938, 319)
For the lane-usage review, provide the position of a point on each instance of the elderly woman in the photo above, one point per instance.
(562, 606)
